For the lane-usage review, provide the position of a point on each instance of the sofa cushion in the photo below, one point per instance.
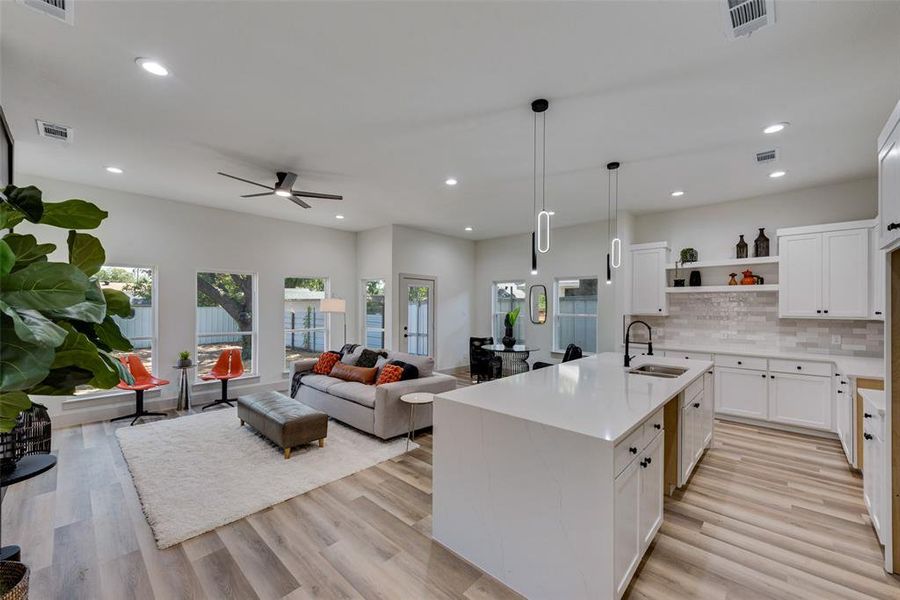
(369, 358)
(351, 373)
(389, 374)
(425, 364)
(326, 362)
(320, 382)
(353, 391)
(350, 358)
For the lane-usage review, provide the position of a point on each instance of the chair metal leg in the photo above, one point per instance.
(223, 400)
(138, 410)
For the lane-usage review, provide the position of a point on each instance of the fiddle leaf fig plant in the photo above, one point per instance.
(56, 325)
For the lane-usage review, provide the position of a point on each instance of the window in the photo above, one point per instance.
(225, 318)
(305, 328)
(507, 296)
(373, 318)
(575, 317)
(140, 330)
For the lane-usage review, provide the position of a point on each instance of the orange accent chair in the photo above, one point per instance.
(143, 381)
(228, 366)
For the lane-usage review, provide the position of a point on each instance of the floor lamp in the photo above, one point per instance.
(335, 305)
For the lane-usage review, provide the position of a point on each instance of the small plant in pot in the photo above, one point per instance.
(509, 322)
(184, 359)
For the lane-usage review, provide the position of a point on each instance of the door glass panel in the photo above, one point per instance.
(419, 302)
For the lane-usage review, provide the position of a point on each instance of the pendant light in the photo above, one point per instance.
(542, 219)
(614, 256)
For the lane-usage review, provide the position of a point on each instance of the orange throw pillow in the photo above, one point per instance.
(353, 373)
(326, 362)
(389, 374)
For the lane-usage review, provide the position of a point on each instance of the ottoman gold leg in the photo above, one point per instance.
(322, 443)
(287, 453)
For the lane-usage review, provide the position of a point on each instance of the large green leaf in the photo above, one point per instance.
(7, 258)
(124, 374)
(85, 252)
(22, 364)
(33, 327)
(73, 214)
(44, 285)
(92, 310)
(78, 351)
(62, 382)
(26, 249)
(109, 333)
(11, 404)
(26, 200)
(9, 216)
(118, 303)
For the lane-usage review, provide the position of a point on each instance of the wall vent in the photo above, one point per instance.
(743, 17)
(61, 10)
(54, 131)
(767, 156)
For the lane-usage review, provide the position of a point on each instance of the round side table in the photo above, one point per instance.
(184, 388)
(413, 400)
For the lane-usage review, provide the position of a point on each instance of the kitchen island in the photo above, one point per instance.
(552, 481)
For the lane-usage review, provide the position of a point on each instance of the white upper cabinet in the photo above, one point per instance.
(877, 275)
(648, 279)
(823, 271)
(889, 180)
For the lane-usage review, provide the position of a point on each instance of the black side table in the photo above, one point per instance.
(184, 388)
(27, 467)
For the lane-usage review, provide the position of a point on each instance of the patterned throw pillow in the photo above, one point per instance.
(326, 362)
(368, 358)
(389, 374)
(409, 371)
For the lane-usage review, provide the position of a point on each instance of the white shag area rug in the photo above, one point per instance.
(202, 471)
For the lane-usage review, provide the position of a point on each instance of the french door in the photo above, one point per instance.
(417, 309)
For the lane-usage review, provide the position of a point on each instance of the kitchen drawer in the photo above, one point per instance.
(692, 390)
(873, 421)
(804, 367)
(627, 450)
(740, 362)
(652, 427)
(688, 355)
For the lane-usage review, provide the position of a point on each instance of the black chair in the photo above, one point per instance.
(484, 365)
(573, 352)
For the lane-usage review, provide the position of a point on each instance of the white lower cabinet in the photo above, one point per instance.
(709, 409)
(843, 416)
(696, 426)
(802, 400)
(650, 514)
(873, 465)
(742, 392)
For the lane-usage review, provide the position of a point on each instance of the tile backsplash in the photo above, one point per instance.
(734, 319)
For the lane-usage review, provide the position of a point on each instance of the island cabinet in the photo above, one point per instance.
(874, 489)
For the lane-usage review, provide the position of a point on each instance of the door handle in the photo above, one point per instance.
(893, 226)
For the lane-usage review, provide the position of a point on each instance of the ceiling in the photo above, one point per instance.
(381, 102)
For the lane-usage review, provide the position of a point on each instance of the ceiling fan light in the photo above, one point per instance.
(283, 193)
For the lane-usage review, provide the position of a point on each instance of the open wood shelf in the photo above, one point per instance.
(707, 289)
(728, 262)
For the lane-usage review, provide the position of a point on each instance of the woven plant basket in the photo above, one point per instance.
(13, 581)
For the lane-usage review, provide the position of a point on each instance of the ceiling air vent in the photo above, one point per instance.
(54, 131)
(743, 17)
(767, 156)
(60, 10)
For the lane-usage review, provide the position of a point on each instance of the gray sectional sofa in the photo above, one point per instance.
(374, 409)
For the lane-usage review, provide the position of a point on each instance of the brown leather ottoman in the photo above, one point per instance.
(284, 421)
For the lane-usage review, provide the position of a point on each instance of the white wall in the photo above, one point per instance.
(374, 260)
(713, 229)
(180, 239)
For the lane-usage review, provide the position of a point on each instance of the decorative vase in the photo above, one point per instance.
(695, 279)
(740, 250)
(732, 281)
(679, 283)
(689, 255)
(183, 363)
(748, 279)
(508, 340)
(761, 244)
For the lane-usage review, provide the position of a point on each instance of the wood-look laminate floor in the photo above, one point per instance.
(766, 515)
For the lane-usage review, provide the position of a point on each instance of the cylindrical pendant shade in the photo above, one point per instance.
(333, 305)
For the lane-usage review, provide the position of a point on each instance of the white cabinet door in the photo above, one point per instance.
(706, 416)
(845, 273)
(688, 433)
(803, 400)
(626, 542)
(889, 187)
(800, 275)
(651, 503)
(742, 392)
(877, 274)
(843, 413)
(648, 282)
(872, 476)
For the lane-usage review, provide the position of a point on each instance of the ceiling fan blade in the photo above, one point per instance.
(245, 180)
(317, 195)
(258, 195)
(299, 202)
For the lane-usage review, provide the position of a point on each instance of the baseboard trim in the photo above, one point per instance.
(780, 426)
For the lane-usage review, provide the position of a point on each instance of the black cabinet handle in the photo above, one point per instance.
(643, 464)
(763, 375)
(798, 366)
(648, 460)
(893, 226)
(837, 375)
(868, 436)
(633, 450)
(819, 312)
(877, 312)
(696, 405)
(659, 309)
(843, 383)
(740, 362)
(826, 311)
(771, 377)
(840, 391)
(657, 426)
(867, 415)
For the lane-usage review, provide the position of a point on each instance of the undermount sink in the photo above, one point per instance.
(658, 371)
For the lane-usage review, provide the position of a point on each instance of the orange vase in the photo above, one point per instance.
(748, 278)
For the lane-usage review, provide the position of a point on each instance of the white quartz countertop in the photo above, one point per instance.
(848, 366)
(873, 397)
(593, 396)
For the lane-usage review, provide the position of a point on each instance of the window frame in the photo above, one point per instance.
(557, 349)
(287, 330)
(498, 335)
(254, 333)
(365, 297)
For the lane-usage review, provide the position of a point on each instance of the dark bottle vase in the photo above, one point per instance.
(695, 279)
(740, 250)
(761, 244)
(508, 340)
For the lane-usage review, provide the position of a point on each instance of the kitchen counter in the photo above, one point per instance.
(593, 396)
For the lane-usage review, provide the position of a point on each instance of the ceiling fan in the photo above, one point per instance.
(283, 187)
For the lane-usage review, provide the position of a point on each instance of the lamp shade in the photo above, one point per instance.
(333, 305)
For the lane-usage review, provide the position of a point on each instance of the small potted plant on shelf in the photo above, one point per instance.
(184, 359)
(509, 322)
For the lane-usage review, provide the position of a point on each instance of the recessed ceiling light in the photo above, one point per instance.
(468, 229)
(677, 193)
(451, 181)
(338, 216)
(283, 193)
(777, 174)
(775, 127)
(115, 170)
(152, 66)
